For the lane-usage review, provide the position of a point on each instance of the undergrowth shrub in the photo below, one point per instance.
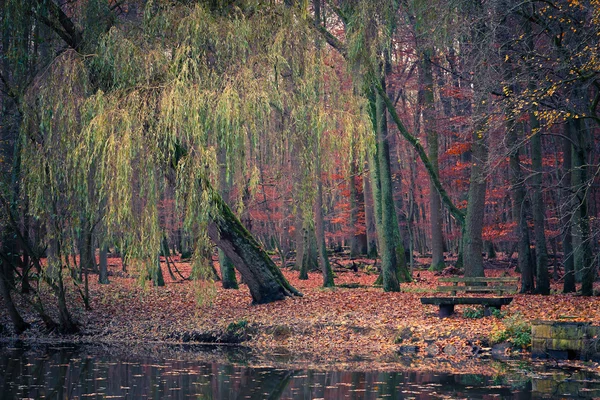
(517, 331)
(473, 313)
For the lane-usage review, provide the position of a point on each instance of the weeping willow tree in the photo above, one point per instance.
(149, 103)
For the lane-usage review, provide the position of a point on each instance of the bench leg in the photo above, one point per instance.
(487, 310)
(446, 310)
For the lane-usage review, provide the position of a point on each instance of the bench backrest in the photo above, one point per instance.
(494, 284)
(502, 279)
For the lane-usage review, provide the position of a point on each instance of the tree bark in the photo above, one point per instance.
(541, 251)
(370, 218)
(6, 270)
(581, 212)
(103, 275)
(358, 238)
(304, 251)
(519, 210)
(566, 207)
(228, 278)
(435, 204)
(387, 247)
(474, 219)
(259, 272)
(320, 232)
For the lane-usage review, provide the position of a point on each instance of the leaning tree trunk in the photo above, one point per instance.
(259, 272)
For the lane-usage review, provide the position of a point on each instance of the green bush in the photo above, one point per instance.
(517, 331)
(473, 313)
(237, 327)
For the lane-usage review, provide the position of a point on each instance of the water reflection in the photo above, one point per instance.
(74, 373)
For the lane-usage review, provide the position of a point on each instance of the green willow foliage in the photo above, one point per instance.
(106, 133)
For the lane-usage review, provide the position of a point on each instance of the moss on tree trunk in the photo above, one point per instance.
(259, 272)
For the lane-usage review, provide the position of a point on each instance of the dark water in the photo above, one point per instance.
(85, 373)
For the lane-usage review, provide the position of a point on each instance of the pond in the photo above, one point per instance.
(90, 372)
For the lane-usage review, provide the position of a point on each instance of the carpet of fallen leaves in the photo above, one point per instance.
(337, 325)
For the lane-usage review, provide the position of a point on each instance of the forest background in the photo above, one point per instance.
(393, 129)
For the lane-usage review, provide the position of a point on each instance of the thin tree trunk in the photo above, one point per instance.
(358, 237)
(370, 218)
(55, 278)
(428, 110)
(519, 210)
(387, 247)
(566, 212)
(541, 251)
(228, 278)
(320, 231)
(304, 251)
(321, 245)
(103, 275)
(580, 182)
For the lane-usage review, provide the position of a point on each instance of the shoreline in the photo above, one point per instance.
(343, 325)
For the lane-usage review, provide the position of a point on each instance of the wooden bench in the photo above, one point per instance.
(473, 285)
(479, 284)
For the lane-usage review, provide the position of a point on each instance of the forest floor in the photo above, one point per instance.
(341, 325)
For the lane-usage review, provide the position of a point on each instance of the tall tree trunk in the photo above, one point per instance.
(370, 218)
(474, 219)
(566, 210)
(320, 231)
(259, 272)
(358, 237)
(389, 222)
(321, 245)
(426, 99)
(581, 215)
(472, 239)
(541, 251)
(304, 251)
(228, 278)
(519, 209)
(103, 275)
